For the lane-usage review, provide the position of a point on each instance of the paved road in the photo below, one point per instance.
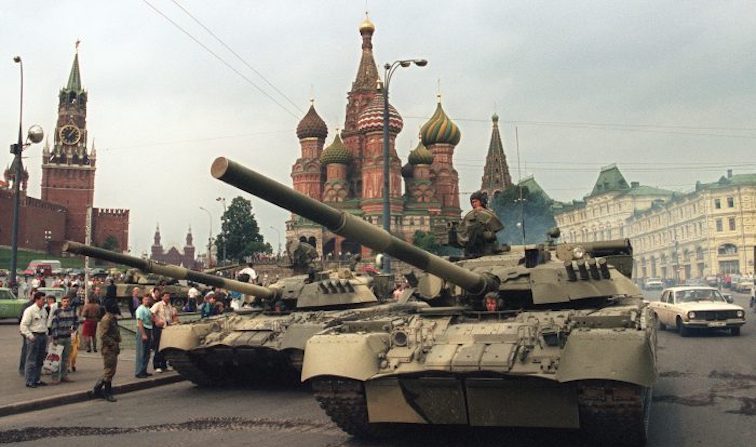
(706, 395)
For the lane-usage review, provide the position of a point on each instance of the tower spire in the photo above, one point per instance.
(496, 175)
(74, 78)
(367, 73)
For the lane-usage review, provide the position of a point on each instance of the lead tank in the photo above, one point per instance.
(258, 344)
(569, 345)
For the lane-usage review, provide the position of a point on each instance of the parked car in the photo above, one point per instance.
(653, 284)
(44, 267)
(743, 286)
(57, 292)
(10, 305)
(686, 308)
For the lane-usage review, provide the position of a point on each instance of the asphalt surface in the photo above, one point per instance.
(705, 395)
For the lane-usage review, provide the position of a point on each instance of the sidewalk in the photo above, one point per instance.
(15, 397)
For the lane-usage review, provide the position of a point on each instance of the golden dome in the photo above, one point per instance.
(366, 24)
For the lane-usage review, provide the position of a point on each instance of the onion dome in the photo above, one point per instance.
(495, 117)
(367, 25)
(336, 152)
(440, 129)
(371, 118)
(407, 170)
(420, 155)
(312, 125)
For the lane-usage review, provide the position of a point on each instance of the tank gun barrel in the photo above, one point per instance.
(346, 225)
(170, 270)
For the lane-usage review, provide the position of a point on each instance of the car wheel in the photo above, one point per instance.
(735, 331)
(684, 332)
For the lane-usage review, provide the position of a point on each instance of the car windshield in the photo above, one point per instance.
(689, 296)
(6, 295)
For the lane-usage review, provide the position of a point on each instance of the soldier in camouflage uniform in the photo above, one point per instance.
(478, 230)
(110, 338)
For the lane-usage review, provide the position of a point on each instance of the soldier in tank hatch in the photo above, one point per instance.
(477, 232)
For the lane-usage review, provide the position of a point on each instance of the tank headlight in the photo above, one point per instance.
(578, 252)
(691, 315)
(399, 338)
(740, 314)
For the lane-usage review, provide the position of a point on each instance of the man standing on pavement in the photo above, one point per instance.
(64, 325)
(164, 315)
(22, 361)
(34, 328)
(143, 337)
(110, 339)
(136, 298)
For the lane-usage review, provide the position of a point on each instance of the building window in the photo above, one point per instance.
(730, 202)
(731, 221)
(727, 249)
(719, 224)
(717, 204)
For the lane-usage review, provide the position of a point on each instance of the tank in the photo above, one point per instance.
(553, 336)
(265, 343)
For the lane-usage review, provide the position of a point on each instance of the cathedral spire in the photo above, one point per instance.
(496, 176)
(74, 78)
(367, 73)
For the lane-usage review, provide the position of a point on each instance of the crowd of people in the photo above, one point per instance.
(80, 322)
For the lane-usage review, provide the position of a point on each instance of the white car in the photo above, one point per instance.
(653, 284)
(686, 308)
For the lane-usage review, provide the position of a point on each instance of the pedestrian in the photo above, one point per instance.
(143, 337)
(64, 324)
(208, 307)
(250, 272)
(163, 315)
(51, 306)
(136, 299)
(91, 314)
(22, 360)
(33, 327)
(193, 295)
(110, 339)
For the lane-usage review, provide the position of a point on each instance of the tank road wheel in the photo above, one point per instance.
(684, 332)
(345, 403)
(735, 331)
(662, 326)
(187, 369)
(614, 413)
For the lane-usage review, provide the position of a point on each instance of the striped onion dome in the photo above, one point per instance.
(336, 152)
(371, 119)
(312, 125)
(420, 155)
(440, 129)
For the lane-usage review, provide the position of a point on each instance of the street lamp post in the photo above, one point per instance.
(278, 255)
(35, 135)
(389, 71)
(222, 200)
(209, 239)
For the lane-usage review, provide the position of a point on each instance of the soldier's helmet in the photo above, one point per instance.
(480, 195)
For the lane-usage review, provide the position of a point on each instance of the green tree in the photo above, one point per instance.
(240, 234)
(534, 211)
(426, 241)
(110, 243)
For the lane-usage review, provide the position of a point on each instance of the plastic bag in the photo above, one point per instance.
(51, 364)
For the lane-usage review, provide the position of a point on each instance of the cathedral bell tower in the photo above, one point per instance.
(68, 170)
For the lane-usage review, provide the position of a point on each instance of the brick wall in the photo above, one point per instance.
(111, 222)
(35, 218)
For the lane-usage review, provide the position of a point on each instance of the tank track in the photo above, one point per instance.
(614, 413)
(344, 402)
(186, 368)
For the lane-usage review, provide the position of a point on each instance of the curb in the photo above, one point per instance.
(81, 396)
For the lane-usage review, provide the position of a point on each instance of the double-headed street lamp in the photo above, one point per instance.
(279, 239)
(35, 135)
(222, 200)
(389, 71)
(209, 239)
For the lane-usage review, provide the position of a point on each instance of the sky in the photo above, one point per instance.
(665, 89)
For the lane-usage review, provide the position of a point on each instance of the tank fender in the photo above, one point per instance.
(608, 354)
(184, 336)
(353, 356)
